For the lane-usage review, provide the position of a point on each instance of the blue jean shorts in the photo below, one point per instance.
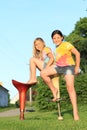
(44, 65)
(65, 70)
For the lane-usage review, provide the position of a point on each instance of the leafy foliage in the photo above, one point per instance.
(78, 37)
(81, 89)
(44, 94)
(81, 27)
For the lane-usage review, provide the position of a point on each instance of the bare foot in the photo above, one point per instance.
(55, 94)
(54, 99)
(76, 118)
(32, 82)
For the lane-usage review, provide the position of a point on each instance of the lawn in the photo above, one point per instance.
(7, 108)
(46, 121)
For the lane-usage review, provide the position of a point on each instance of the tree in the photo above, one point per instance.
(81, 27)
(78, 37)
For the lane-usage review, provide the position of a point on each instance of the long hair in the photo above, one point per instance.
(38, 53)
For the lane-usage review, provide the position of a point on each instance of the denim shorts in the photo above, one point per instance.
(65, 70)
(44, 65)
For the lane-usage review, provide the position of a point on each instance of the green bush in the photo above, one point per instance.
(17, 104)
(81, 88)
(44, 94)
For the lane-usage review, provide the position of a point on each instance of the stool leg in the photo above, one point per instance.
(22, 104)
(59, 112)
(22, 98)
(21, 115)
(55, 81)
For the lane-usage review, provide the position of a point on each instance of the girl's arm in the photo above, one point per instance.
(51, 59)
(77, 58)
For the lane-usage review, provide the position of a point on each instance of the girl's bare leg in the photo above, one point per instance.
(45, 74)
(34, 63)
(72, 94)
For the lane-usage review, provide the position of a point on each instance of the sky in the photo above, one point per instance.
(21, 21)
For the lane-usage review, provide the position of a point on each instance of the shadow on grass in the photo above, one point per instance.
(32, 118)
(65, 112)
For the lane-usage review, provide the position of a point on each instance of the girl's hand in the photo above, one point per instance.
(77, 70)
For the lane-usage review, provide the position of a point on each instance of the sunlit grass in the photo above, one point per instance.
(46, 121)
(7, 108)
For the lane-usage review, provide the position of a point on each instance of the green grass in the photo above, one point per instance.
(46, 121)
(2, 109)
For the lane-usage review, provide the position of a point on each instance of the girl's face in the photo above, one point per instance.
(57, 39)
(39, 45)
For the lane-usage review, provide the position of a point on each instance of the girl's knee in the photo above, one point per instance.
(32, 59)
(42, 74)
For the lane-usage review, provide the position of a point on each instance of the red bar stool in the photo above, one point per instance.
(22, 89)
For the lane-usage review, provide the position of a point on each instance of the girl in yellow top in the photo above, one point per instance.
(42, 58)
(64, 64)
(63, 55)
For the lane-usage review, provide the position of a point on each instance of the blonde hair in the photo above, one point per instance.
(38, 53)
